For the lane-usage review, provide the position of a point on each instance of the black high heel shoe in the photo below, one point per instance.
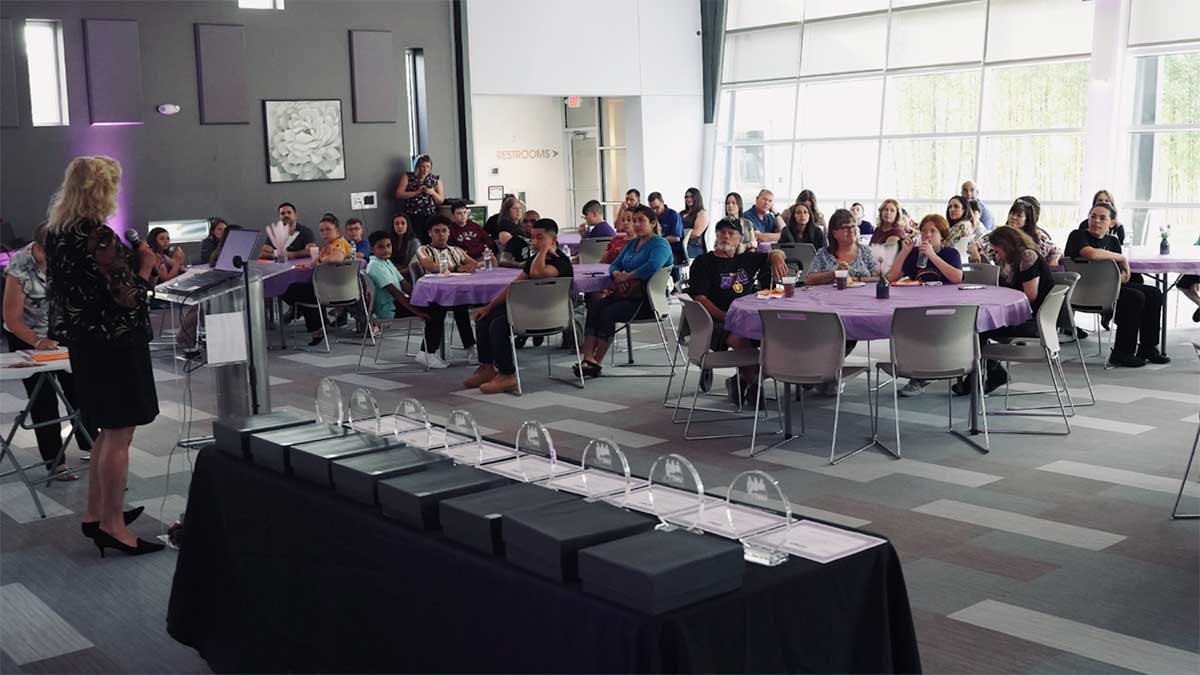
(90, 529)
(105, 540)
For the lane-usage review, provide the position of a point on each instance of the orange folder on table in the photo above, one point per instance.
(45, 357)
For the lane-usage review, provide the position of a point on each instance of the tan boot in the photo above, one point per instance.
(482, 374)
(500, 384)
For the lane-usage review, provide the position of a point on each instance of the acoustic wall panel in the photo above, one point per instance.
(221, 74)
(373, 76)
(114, 71)
(8, 76)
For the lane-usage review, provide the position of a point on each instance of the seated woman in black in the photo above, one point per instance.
(1022, 268)
(802, 228)
(1139, 307)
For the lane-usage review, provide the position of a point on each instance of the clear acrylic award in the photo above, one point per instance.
(604, 472)
(534, 456)
(410, 415)
(738, 518)
(678, 499)
(364, 413)
(329, 402)
(464, 444)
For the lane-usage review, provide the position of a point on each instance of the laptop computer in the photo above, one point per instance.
(245, 244)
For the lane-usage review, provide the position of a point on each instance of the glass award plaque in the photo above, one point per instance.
(739, 519)
(463, 443)
(364, 413)
(410, 415)
(329, 402)
(604, 472)
(534, 457)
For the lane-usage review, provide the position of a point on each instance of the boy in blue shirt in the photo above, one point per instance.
(389, 301)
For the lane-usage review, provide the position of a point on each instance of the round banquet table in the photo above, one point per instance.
(479, 288)
(1147, 260)
(867, 318)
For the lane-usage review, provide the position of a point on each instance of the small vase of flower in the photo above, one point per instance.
(1164, 246)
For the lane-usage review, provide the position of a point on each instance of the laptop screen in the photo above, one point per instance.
(242, 243)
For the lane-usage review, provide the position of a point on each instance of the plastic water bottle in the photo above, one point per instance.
(443, 262)
(489, 260)
(922, 259)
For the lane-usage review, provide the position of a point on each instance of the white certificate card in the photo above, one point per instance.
(817, 542)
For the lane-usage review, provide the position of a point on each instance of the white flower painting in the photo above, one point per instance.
(304, 140)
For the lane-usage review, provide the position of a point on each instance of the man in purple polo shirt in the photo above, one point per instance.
(593, 224)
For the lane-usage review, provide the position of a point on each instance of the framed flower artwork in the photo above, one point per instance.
(304, 140)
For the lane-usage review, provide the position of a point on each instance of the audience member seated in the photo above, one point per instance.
(1023, 215)
(695, 223)
(722, 276)
(765, 226)
(457, 260)
(298, 248)
(809, 199)
(593, 224)
(210, 244)
(1117, 230)
(357, 238)
(641, 258)
(890, 228)
(420, 193)
(969, 191)
(25, 326)
(519, 247)
(1189, 285)
(860, 212)
(172, 261)
(942, 265)
(843, 252)
(624, 234)
(733, 209)
(404, 247)
(497, 372)
(335, 250)
(388, 301)
(801, 228)
(671, 227)
(962, 226)
(467, 234)
(507, 221)
(1024, 269)
(1139, 307)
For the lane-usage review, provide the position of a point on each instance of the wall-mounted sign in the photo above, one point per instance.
(495, 192)
(532, 153)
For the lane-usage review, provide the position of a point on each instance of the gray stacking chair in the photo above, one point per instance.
(1046, 350)
(699, 355)
(985, 274)
(336, 285)
(934, 343)
(799, 256)
(1066, 319)
(1096, 291)
(817, 359)
(591, 250)
(539, 308)
(656, 295)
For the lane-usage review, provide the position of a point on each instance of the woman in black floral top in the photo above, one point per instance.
(97, 291)
(421, 193)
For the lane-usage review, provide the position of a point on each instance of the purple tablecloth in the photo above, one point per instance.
(479, 288)
(764, 247)
(570, 239)
(1147, 260)
(278, 276)
(867, 318)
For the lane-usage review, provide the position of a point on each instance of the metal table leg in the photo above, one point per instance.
(1175, 514)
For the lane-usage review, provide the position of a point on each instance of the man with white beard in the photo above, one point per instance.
(723, 275)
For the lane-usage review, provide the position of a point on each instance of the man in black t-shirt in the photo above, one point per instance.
(723, 275)
(519, 247)
(1139, 307)
(497, 370)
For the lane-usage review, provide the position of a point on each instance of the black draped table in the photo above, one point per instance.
(276, 575)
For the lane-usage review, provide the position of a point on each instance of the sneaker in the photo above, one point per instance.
(1122, 360)
(431, 360)
(537, 341)
(914, 387)
(500, 384)
(1152, 355)
(706, 380)
(472, 356)
(520, 342)
(482, 374)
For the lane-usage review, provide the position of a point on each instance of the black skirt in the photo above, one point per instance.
(114, 384)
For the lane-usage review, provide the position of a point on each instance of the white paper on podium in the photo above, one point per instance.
(818, 542)
(226, 336)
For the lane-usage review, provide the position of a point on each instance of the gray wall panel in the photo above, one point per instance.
(221, 74)
(9, 114)
(373, 76)
(114, 71)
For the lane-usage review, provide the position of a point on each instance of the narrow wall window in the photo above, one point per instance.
(418, 112)
(260, 4)
(47, 73)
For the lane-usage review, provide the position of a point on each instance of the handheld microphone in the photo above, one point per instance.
(134, 239)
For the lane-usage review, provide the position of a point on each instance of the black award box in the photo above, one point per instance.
(477, 520)
(270, 448)
(312, 461)
(413, 498)
(657, 571)
(232, 434)
(356, 477)
(547, 540)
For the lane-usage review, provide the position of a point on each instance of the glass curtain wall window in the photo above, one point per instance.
(47, 73)
(856, 101)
